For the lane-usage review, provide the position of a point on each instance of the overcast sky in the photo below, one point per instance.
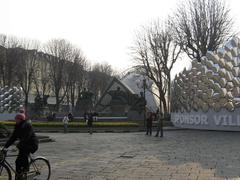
(103, 29)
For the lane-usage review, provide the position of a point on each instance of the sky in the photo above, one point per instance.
(103, 29)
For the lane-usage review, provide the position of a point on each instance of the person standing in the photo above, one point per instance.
(149, 123)
(159, 117)
(85, 117)
(70, 116)
(65, 123)
(90, 123)
(95, 116)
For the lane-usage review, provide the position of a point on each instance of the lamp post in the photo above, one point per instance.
(142, 84)
(144, 95)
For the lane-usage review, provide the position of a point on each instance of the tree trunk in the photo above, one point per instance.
(57, 102)
(169, 94)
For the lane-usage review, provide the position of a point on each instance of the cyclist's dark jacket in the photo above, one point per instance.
(23, 132)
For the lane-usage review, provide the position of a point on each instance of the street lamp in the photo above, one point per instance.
(145, 102)
(142, 84)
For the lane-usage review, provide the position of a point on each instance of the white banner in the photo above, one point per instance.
(223, 120)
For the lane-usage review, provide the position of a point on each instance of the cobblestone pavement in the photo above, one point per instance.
(181, 154)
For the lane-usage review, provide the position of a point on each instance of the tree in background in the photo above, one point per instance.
(61, 70)
(41, 76)
(8, 57)
(98, 78)
(76, 70)
(201, 26)
(27, 65)
(3, 58)
(59, 51)
(155, 53)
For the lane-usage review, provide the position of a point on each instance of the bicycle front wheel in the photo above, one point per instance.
(5, 173)
(39, 169)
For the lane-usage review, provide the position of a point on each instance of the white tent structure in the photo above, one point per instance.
(135, 82)
(132, 95)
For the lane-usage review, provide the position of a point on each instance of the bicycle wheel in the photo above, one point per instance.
(5, 173)
(39, 169)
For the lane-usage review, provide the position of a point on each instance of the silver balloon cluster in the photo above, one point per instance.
(213, 83)
(11, 99)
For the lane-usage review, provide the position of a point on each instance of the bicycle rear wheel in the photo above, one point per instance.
(39, 169)
(5, 173)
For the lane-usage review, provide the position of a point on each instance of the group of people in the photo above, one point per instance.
(89, 117)
(28, 141)
(149, 122)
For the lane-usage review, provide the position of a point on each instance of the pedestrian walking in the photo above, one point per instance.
(149, 123)
(65, 123)
(90, 122)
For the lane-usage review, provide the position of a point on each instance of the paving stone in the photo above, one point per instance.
(181, 154)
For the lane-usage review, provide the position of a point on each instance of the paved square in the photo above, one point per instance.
(181, 154)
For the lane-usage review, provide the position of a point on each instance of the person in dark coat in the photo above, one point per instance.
(149, 123)
(90, 122)
(70, 116)
(159, 117)
(28, 143)
(85, 116)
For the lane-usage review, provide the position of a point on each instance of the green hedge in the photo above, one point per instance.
(76, 124)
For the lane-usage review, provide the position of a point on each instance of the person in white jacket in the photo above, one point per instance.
(65, 123)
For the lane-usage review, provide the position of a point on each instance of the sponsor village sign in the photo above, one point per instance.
(210, 121)
(207, 96)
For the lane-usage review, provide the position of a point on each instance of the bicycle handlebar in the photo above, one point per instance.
(4, 150)
(3, 154)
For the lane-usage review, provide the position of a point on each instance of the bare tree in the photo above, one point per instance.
(27, 65)
(98, 78)
(41, 76)
(59, 51)
(3, 40)
(3, 58)
(104, 68)
(201, 26)
(75, 72)
(8, 58)
(155, 53)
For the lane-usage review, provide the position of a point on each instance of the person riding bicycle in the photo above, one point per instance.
(28, 142)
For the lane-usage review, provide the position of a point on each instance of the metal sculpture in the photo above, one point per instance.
(213, 83)
(11, 99)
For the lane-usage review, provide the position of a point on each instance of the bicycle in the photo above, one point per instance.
(39, 168)
(4, 132)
